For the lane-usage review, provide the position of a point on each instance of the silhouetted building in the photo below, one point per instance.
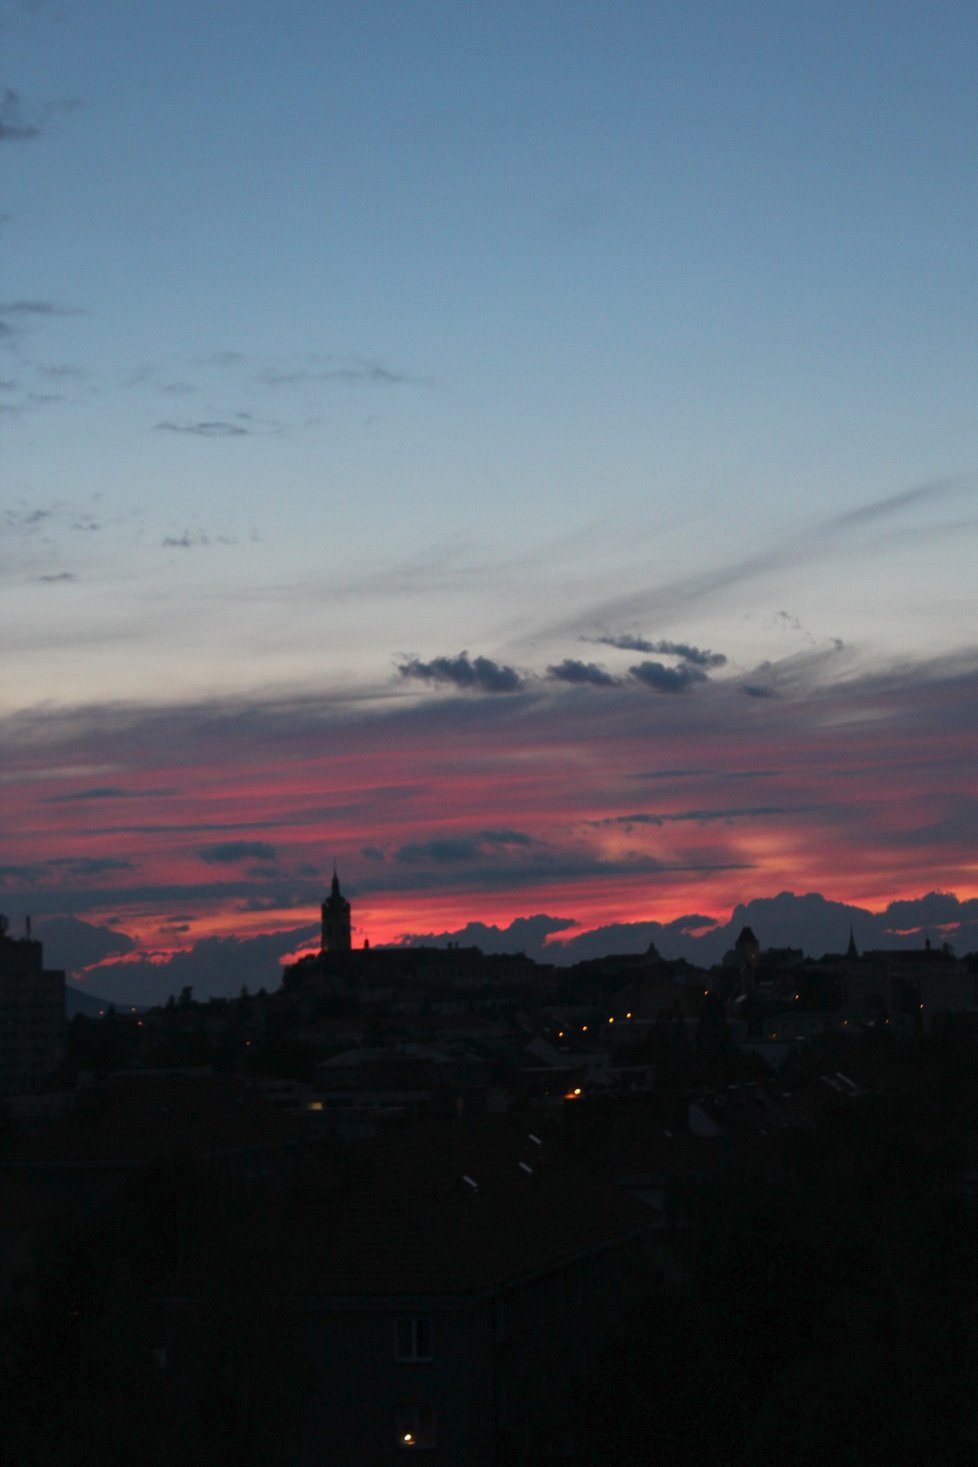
(32, 1014)
(336, 920)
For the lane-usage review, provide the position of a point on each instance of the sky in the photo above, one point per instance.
(525, 455)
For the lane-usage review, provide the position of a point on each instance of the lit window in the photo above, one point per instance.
(415, 1427)
(414, 1339)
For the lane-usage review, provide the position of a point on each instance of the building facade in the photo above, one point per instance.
(32, 1014)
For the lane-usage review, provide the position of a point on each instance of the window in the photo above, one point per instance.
(414, 1338)
(415, 1427)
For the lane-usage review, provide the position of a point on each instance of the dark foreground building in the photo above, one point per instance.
(32, 1015)
(453, 1282)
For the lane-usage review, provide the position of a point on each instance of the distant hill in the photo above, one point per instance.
(78, 1001)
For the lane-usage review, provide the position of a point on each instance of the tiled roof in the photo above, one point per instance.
(151, 1118)
(404, 1218)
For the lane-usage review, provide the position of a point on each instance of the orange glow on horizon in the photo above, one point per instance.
(610, 814)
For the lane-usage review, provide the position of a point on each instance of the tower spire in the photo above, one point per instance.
(336, 936)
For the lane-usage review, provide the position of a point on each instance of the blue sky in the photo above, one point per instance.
(341, 338)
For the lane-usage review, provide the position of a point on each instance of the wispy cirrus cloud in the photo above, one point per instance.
(207, 428)
(38, 308)
(694, 656)
(845, 533)
(351, 369)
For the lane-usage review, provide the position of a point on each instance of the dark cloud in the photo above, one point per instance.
(21, 874)
(190, 540)
(214, 428)
(627, 643)
(276, 899)
(671, 940)
(757, 690)
(915, 726)
(673, 774)
(667, 679)
(26, 521)
(215, 967)
(523, 935)
(15, 126)
(811, 922)
(58, 578)
(479, 673)
(694, 656)
(98, 792)
(572, 671)
(465, 870)
(30, 889)
(749, 812)
(30, 520)
(85, 867)
(938, 909)
(219, 966)
(52, 874)
(230, 851)
(446, 850)
(191, 827)
(72, 944)
(721, 774)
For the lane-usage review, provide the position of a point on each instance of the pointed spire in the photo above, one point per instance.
(851, 951)
(336, 918)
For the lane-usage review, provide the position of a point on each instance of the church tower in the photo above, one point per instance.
(336, 920)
